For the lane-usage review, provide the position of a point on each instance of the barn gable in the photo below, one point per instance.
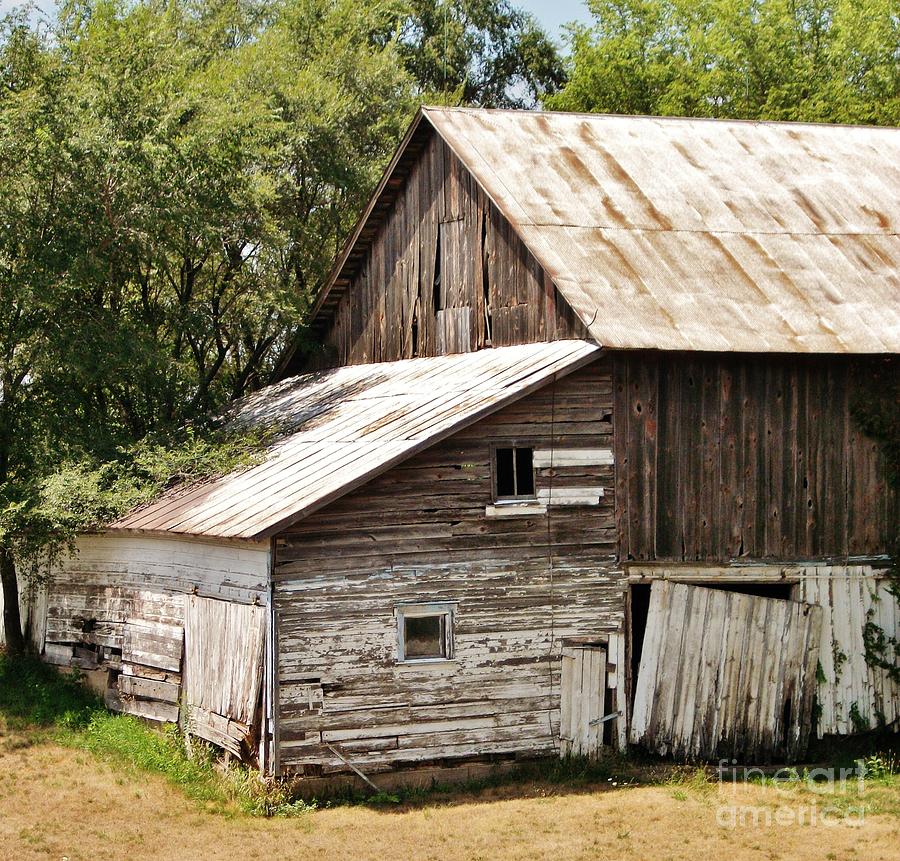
(658, 233)
(435, 268)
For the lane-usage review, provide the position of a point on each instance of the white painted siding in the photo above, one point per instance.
(852, 595)
(235, 571)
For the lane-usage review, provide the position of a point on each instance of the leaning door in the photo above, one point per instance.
(726, 675)
(223, 657)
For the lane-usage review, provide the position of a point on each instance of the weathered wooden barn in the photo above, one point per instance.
(579, 464)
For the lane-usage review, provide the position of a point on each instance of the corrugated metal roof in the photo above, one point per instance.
(346, 425)
(691, 234)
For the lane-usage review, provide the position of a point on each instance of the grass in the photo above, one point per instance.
(38, 703)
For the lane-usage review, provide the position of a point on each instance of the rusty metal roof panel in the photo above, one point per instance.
(685, 234)
(344, 426)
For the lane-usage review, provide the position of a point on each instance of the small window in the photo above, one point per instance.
(514, 473)
(425, 632)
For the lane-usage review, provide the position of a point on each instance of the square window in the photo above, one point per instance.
(425, 632)
(513, 473)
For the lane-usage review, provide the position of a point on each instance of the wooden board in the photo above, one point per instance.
(152, 644)
(724, 674)
(224, 645)
(853, 692)
(582, 694)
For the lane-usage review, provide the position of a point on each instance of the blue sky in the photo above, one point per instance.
(551, 13)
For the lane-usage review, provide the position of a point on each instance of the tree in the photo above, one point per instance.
(486, 53)
(805, 60)
(175, 180)
(42, 307)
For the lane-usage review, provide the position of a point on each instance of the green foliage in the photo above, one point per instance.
(813, 60)
(839, 658)
(34, 694)
(485, 53)
(859, 721)
(881, 651)
(882, 766)
(83, 494)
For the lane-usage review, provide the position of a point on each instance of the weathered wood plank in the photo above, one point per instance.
(721, 671)
(722, 457)
(224, 645)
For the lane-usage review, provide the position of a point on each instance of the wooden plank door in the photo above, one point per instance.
(582, 690)
(726, 675)
(223, 662)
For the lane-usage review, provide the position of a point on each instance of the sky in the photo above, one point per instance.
(552, 14)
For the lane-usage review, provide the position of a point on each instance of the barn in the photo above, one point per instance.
(579, 463)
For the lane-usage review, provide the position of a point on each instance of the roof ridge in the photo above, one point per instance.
(532, 112)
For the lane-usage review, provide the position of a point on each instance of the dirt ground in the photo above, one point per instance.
(57, 803)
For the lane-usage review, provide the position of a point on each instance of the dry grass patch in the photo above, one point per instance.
(57, 802)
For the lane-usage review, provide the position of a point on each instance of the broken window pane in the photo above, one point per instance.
(514, 471)
(524, 472)
(424, 637)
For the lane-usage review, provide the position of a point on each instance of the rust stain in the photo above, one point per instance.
(622, 175)
(882, 220)
(634, 277)
(686, 155)
(807, 206)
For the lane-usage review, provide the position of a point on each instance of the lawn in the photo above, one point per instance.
(78, 784)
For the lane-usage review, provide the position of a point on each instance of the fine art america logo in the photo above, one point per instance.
(817, 796)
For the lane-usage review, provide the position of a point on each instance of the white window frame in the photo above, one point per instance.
(419, 611)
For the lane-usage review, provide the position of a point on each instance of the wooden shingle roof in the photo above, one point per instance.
(345, 426)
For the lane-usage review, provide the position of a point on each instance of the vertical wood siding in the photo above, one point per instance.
(854, 692)
(419, 534)
(491, 291)
(725, 456)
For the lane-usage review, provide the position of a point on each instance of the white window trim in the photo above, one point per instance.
(402, 612)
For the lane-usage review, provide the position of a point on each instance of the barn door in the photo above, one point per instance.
(223, 659)
(724, 674)
(581, 700)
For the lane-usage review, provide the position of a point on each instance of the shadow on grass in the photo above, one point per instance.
(34, 695)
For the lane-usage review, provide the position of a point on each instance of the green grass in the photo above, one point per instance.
(38, 703)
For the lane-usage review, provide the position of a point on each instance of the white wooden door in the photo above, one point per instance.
(724, 674)
(583, 687)
(223, 659)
